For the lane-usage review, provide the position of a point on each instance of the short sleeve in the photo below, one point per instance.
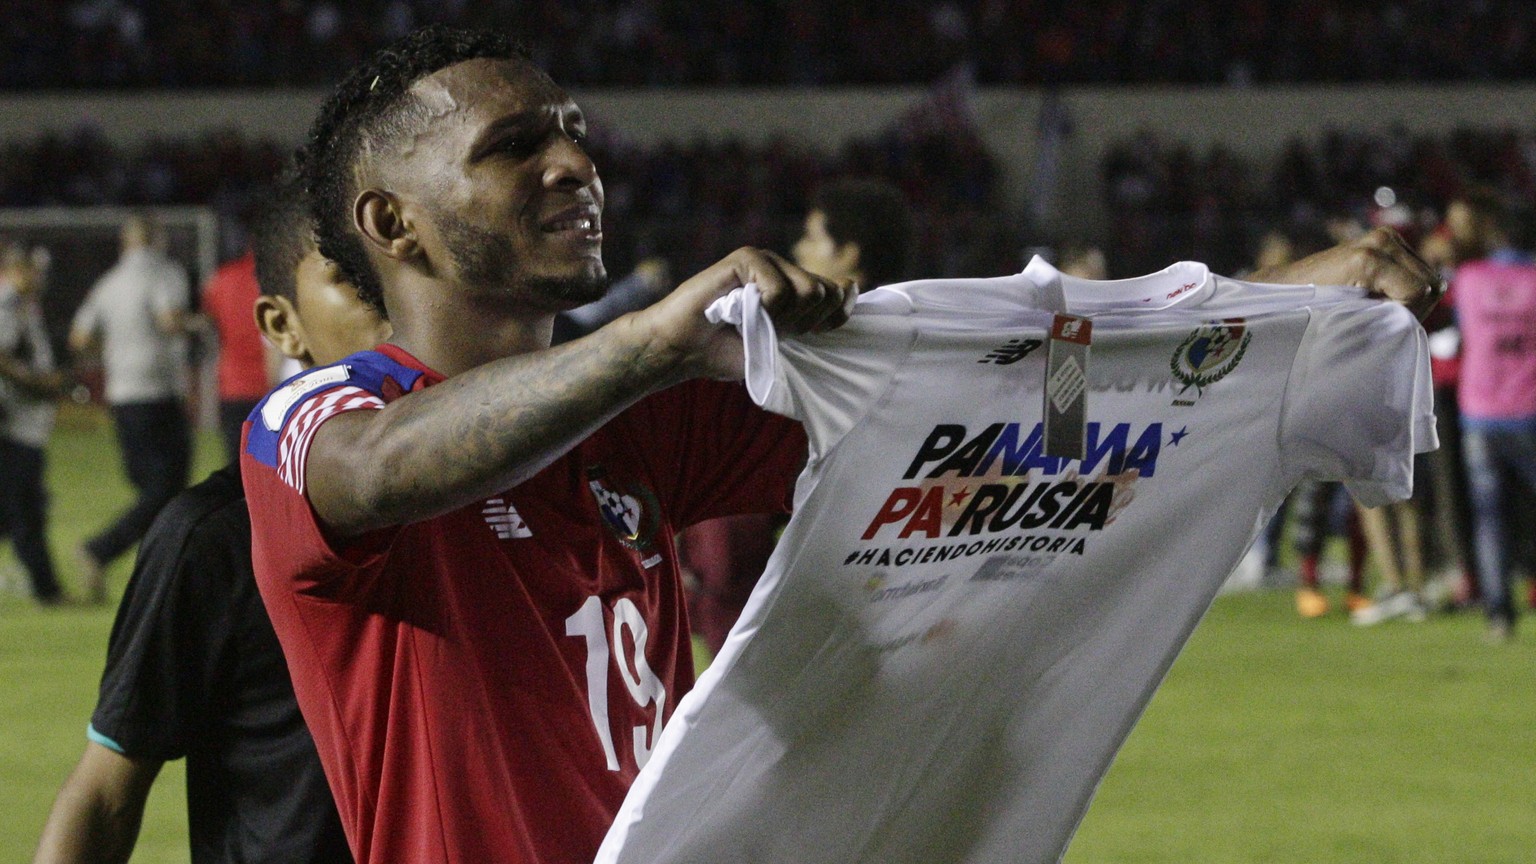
(1359, 401)
(287, 537)
(827, 381)
(154, 692)
(42, 346)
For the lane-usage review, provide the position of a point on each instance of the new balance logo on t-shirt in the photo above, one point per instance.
(1011, 351)
(504, 520)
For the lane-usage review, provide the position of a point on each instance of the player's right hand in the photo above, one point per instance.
(796, 301)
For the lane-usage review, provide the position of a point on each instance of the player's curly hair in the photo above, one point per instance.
(369, 108)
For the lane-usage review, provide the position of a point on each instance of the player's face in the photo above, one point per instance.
(817, 252)
(334, 321)
(509, 200)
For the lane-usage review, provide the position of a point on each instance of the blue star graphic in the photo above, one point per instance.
(1175, 438)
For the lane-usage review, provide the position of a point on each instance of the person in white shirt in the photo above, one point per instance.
(138, 315)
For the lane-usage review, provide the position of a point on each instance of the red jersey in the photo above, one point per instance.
(483, 686)
(229, 299)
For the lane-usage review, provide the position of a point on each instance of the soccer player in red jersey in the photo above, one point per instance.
(464, 538)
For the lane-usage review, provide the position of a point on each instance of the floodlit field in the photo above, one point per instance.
(1273, 739)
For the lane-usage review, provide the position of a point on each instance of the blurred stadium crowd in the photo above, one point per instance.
(210, 43)
(680, 205)
(690, 202)
(1213, 206)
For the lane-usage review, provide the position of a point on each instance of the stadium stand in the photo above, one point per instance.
(643, 43)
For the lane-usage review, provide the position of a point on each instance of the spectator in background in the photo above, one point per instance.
(1447, 509)
(138, 315)
(1391, 532)
(29, 384)
(1393, 541)
(1317, 510)
(114, 43)
(193, 667)
(649, 282)
(1084, 261)
(1496, 314)
(858, 230)
(245, 373)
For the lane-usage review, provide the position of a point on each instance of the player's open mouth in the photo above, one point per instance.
(582, 221)
(568, 225)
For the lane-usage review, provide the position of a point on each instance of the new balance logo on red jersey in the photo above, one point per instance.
(504, 520)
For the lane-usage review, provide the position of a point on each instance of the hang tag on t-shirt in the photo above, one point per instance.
(1066, 387)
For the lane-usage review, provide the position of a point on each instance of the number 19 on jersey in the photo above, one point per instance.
(606, 644)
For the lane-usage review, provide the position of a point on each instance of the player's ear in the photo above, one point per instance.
(385, 226)
(280, 323)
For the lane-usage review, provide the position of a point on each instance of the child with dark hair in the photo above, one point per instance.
(193, 667)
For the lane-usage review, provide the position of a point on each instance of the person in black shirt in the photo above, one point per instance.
(193, 667)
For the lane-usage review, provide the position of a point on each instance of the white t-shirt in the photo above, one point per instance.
(142, 362)
(956, 633)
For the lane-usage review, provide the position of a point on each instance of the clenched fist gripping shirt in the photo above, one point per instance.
(958, 630)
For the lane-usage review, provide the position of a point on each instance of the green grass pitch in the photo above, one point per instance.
(1273, 739)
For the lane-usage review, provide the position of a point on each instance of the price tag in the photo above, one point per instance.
(1066, 387)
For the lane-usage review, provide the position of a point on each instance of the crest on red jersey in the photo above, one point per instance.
(630, 511)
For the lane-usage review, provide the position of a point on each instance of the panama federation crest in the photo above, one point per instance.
(630, 513)
(1209, 354)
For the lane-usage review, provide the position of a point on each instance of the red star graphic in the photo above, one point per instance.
(958, 498)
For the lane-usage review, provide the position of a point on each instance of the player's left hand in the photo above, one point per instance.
(1379, 261)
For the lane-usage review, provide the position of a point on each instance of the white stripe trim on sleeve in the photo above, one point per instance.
(299, 431)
